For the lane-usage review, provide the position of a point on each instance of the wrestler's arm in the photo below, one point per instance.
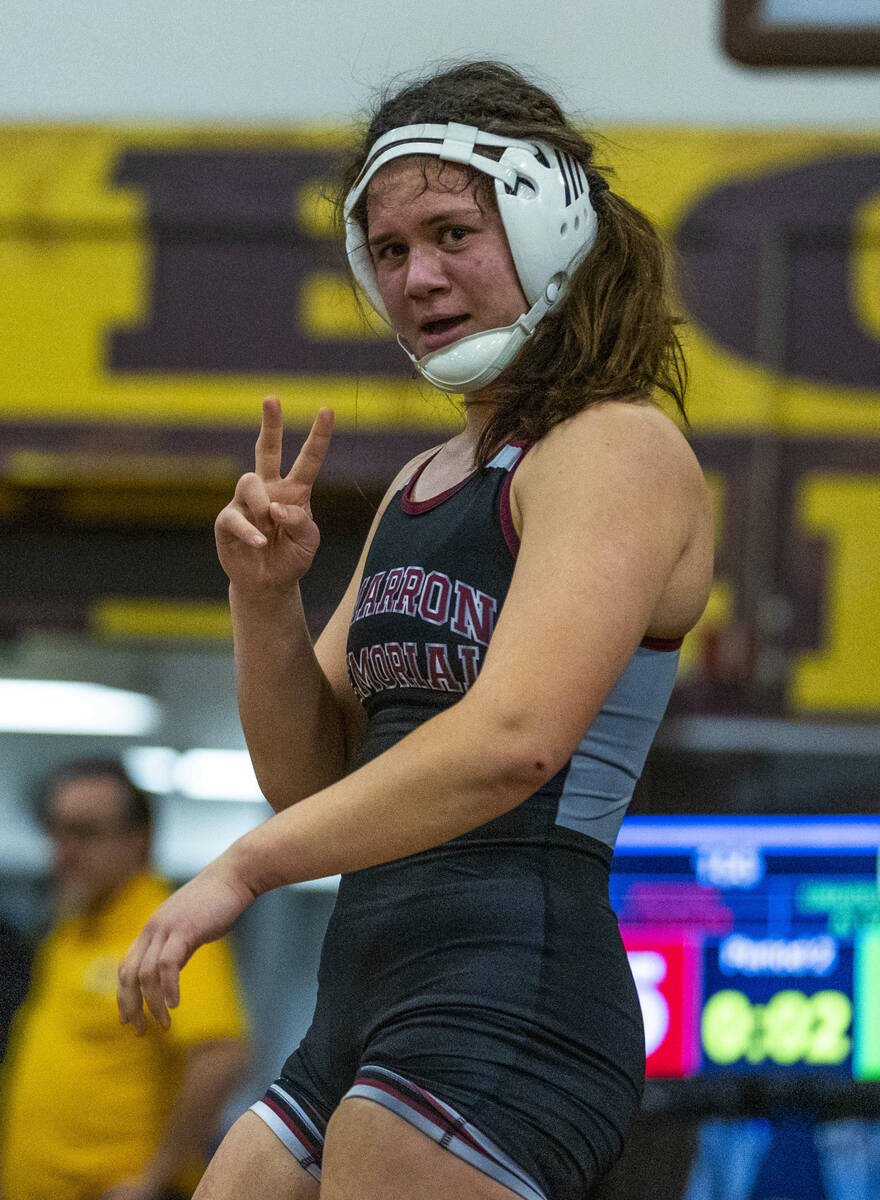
(611, 504)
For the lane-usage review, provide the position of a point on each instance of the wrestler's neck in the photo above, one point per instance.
(478, 410)
(456, 458)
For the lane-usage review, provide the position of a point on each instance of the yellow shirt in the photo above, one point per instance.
(86, 1101)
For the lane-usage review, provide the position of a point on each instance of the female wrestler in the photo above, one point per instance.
(463, 739)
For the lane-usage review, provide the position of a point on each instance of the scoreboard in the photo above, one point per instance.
(754, 942)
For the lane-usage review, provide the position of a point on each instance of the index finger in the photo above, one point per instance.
(314, 449)
(267, 452)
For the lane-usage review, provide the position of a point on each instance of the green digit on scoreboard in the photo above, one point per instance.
(727, 1027)
(866, 1052)
(830, 1042)
(788, 1022)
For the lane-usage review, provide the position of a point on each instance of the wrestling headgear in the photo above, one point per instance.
(544, 201)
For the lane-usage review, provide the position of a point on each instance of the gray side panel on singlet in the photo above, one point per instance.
(609, 760)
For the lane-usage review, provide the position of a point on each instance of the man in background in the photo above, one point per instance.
(89, 1111)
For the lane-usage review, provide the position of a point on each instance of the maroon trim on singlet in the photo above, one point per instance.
(296, 1127)
(413, 507)
(655, 643)
(419, 506)
(427, 1105)
(507, 526)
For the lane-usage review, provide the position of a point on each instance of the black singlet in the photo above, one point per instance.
(489, 969)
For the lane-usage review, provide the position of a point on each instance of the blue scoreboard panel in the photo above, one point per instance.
(754, 942)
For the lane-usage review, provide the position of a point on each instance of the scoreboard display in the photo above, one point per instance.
(754, 942)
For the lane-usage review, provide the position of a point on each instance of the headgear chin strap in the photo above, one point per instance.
(544, 203)
(473, 361)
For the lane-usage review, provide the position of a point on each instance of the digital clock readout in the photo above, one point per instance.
(791, 1027)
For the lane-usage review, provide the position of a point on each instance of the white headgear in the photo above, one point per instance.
(544, 202)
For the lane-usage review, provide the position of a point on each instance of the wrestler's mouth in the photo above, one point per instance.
(441, 331)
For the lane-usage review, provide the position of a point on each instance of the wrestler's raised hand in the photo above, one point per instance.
(266, 537)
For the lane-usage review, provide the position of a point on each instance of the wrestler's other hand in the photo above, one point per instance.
(266, 537)
(201, 911)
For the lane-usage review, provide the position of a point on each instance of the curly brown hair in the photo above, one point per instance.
(614, 336)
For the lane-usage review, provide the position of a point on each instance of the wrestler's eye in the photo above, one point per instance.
(454, 235)
(390, 251)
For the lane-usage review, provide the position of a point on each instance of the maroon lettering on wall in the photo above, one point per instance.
(803, 216)
(228, 264)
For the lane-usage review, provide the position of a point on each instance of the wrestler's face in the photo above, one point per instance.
(443, 264)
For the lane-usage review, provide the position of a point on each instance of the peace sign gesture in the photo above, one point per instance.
(266, 538)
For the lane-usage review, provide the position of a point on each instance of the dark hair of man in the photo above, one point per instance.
(138, 807)
(614, 336)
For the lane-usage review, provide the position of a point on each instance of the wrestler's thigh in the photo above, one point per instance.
(372, 1154)
(252, 1162)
